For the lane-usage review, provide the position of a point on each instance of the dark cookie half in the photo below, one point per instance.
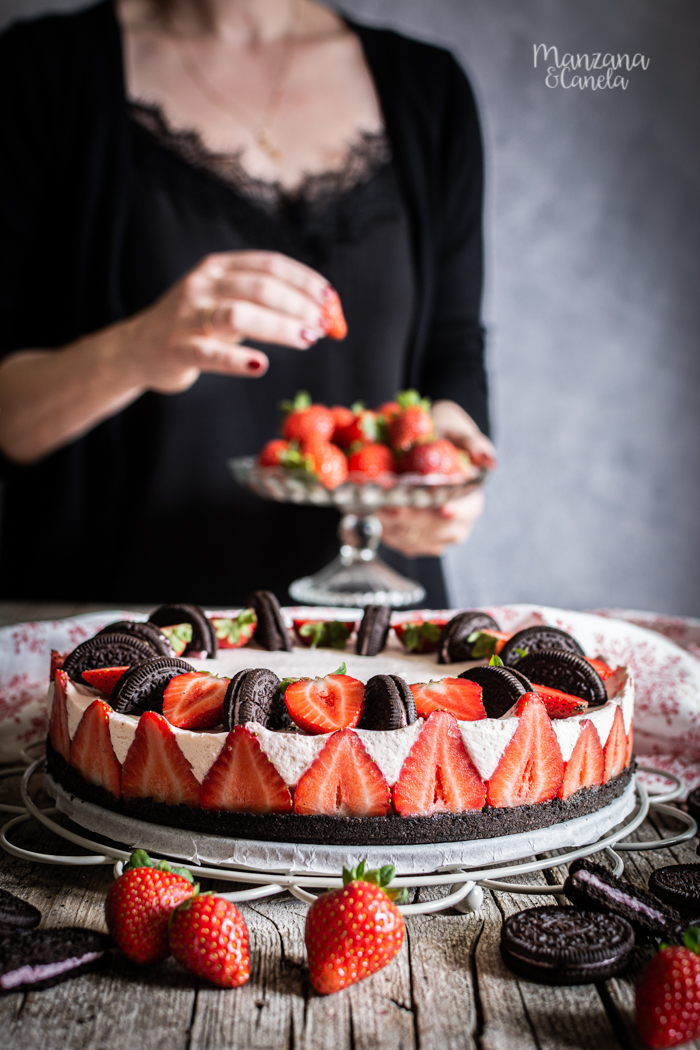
(146, 631)
(566, 671)
(679, 886)
(693, 802)
(203, 633)
(541, 636)
(373, 630)
(523, 679)
(270, 632)
(254, 695)
(33, 959)
(499, 688)
(389, 704)
(105, 650)
(142, 687)
(16, 913)
(592, 886)
(453, 645)
(559, 945)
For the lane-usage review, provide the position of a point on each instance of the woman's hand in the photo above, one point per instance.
(51, 397)
(420, 533)
(199, 324)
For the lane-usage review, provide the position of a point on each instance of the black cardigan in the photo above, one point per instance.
(64, 191)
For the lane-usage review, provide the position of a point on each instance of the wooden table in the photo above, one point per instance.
(447, 989)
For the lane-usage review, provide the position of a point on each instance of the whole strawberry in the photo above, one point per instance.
(333, 320)
(372, 460)
(208, 936)
(325, 461)
(305, 420)
(363, 428)
(354, 931)
(413, 425)
(667, 995)
(139, 904)
(435, 457)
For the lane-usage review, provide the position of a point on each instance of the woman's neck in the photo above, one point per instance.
(247, 23)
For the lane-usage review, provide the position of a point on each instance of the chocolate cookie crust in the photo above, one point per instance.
(391, 830)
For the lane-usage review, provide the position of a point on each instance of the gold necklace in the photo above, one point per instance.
(260, 130)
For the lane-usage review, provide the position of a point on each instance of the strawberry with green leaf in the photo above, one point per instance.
(414, 423)
(420, 636)
(179, 636)
(305, 420)
(324, 634)
(354, 931)
(486, 642)
(235, 632)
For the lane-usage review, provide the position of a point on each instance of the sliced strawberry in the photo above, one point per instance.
(420, 636)
(333, 320)
(601, 667)
(615, 749)
(236, 632)
(156, 768)
(486, 642)
(195, 700)
(438, 776)
(58, 724)
(630, 745)
(558, 704)
(56, 663)
(104, 678)
(531, 769)
(456, 695)
(322, 705)
(331, 634)
(243, 779)
(91, 751)
(585, 767)
(343, 781)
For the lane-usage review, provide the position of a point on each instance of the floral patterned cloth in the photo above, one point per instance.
(663, 653)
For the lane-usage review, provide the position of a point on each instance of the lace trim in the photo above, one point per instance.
(364, 158)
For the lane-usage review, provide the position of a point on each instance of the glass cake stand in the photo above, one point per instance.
(357, 576)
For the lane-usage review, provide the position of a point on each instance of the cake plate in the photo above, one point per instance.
(357, 576)
(464, 880)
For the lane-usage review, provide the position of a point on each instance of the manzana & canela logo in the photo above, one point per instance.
(601, 69)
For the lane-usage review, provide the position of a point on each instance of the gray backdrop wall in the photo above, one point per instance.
(592, 300)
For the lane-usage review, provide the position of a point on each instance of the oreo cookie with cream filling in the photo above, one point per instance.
(500, 688)
(373, 630)
(563, 946)
(254, 695)
(270, 632)
(35, 959)
(678, 885)
(568, 672)
(389, 704)
(17, 914)
(203, 633)
(105, 650)
(540, 636)
(589, 885)
(142, 687)
(454, 645)
(145, 631)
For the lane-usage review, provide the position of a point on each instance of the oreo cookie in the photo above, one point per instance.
(559, 945)
(533, 639)
(203, 633)
(142, 687)
(270, 632)
(147, 632)
(569, 672)
(34, 959)
(678, 885)
(389, 704)
(106, 650)
(373, 630)
(500, 688)
(16, 914)
(594, 887)
(254, 695)
(454, 645)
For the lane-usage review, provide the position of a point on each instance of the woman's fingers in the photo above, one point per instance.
(274, 264)
(271, 292)
(239, 319)
(453, 423)
(428, 533)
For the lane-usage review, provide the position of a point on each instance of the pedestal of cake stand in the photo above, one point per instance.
(357, 576)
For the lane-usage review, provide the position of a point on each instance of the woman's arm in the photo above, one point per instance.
(50, 397)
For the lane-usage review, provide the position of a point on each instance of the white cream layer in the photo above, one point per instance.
(292, 753)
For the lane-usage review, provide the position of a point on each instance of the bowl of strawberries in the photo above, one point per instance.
(359, 460)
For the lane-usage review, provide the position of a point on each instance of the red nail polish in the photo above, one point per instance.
(327, 292)
(253, 365)
(308, 335)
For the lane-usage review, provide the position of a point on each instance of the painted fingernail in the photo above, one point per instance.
(253, 365)
(327, 292)
(310, 335)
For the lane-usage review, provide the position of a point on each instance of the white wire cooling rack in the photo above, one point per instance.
(465, 883)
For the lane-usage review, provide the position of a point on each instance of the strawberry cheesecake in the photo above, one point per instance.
(280, 743)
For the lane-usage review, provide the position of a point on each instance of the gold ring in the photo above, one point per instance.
(206, 315)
